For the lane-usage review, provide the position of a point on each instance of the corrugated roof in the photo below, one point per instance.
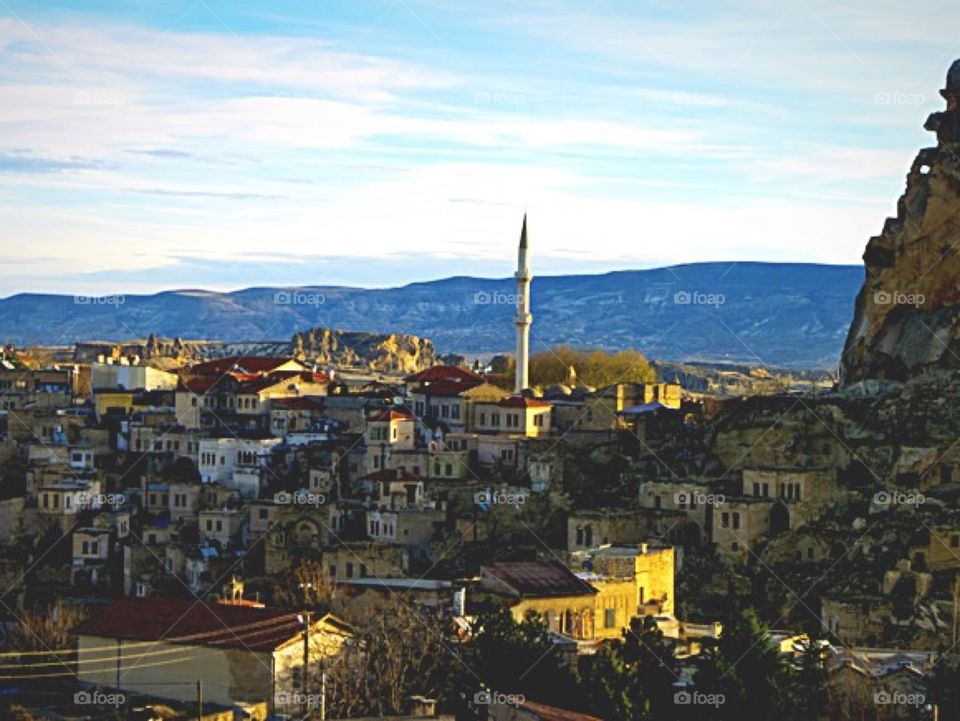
(167, 620)
(539, 578)
(444, 373)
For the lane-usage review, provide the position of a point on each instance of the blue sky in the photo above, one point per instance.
(223, 144)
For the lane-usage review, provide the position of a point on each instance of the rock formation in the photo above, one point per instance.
(906, 315)
(393, 352)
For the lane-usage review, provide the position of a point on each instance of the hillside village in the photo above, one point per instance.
(223, 537)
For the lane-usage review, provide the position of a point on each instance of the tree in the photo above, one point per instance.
(746, 671)
(521, 658)
(403, 653)
(632, 679)
(46, 628)
(304, 587)
(944, 687)
(597, 368)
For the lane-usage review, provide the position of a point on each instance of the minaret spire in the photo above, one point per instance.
(523, 317)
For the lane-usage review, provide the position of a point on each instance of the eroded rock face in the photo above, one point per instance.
(386, 352)
(906, 315)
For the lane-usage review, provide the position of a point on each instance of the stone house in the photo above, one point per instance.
(650, 568)
(246, 653)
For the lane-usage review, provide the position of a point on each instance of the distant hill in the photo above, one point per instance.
(784, 314)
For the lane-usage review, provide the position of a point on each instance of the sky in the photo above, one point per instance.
(225, 144)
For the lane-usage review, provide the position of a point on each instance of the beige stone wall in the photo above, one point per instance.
(230, 675)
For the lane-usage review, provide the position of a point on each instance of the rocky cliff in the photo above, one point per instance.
(906, 316)
(392, 352)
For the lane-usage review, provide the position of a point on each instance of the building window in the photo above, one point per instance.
(724, 520)
(610, 618)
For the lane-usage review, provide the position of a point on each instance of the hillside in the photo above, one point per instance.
(783, 314)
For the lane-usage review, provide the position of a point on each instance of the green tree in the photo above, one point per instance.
(521, 658)
(596, 368)
(632, 679)
(944, 687)
(745, 672)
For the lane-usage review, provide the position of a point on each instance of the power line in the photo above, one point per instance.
(173, 639)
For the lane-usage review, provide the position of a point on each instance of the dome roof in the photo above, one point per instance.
(953, 76)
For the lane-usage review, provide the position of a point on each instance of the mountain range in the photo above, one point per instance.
(791, 315)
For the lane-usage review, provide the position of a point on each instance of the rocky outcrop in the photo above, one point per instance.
(906, 316)
(393, 352)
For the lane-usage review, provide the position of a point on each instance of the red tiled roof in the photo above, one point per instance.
(539, 578)
(552, 713)
(199, 385)
(176, 621)
(252, 364)
(298, 403)
(391, 414)
(524, 402)
(446, 388)
(444, 373)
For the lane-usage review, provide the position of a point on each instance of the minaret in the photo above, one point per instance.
(523, 317)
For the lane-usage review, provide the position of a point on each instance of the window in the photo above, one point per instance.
(955, 542)
(724, 520)
(264, 514)
(349, 570)
(609, 618)
(736, 520)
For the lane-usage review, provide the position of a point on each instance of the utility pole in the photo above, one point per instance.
(306, 662)
(323, 696)
(199, 699)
